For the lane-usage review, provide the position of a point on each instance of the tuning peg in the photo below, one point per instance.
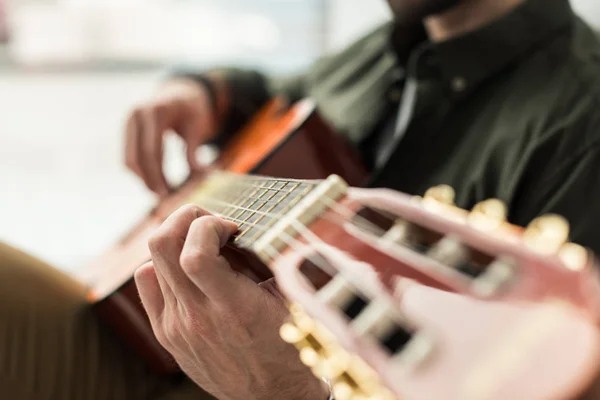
(487, 215)
(337, 362)
(547, 234)
(342, 390)
(364, 375)
(301, 319)
(290, 333)
(574, 256)
(443, 194)
(309, 356)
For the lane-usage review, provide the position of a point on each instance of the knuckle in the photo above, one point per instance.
(173, 332)
(193, 262)
(161, 336)
(190, 209)
(162, 241)
(208, 223)
(197, 326)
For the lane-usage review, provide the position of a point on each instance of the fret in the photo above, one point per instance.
(240, 204)
(253, 203)
(228, 211)
(300, 190)
(266, 196)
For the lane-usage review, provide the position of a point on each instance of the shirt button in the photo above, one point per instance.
(395, 95)
(459, 84)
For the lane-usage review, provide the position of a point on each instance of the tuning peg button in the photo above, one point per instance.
(574, 256)
(442, 194)
(547, 234)
(488, 215)
(290, 333)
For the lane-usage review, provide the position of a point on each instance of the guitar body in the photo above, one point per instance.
(281, 141)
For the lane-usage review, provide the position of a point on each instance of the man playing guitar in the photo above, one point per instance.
(495, 98)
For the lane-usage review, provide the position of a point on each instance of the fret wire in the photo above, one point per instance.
(241, 200)
(210, 199)
(256, 199)
(237, 211)
(366, 222)
(267, 188)
(291, 204)
(264, 178)
(329, 202)
(297, 245)
(252, 201)
(270, 209)
(264, 228)
(261, 217)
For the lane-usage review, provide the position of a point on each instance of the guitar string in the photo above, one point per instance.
(368, 224)
(346, 212)
(295, 244)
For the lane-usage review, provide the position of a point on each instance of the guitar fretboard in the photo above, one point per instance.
(254, 203)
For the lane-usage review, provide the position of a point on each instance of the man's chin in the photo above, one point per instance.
(416, 10)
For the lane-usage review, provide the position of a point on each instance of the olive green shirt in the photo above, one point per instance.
(510, 111)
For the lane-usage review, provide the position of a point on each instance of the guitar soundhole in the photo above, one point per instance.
(396, 339)
(355, 307)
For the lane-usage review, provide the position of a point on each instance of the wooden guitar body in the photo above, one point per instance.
(281, 141)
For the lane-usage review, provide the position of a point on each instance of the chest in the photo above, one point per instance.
(479, 146)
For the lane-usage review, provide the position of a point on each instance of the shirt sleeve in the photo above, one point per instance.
(573, 191)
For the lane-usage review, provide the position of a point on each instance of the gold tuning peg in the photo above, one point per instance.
(547, 234)
(443, 194)
(310, 357)
(343, 390)
(384, 394)
(336, 363)
(487, 215)
(290, 333)
(301, 319)
(573, 256)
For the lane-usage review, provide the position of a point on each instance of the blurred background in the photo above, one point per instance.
(71, 69)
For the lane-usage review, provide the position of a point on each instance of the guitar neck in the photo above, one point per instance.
(256, 203)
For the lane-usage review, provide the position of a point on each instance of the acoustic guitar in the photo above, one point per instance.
(467, 306)
(392, 296)
(291, 143)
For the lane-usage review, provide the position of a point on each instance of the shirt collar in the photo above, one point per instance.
(468, 60)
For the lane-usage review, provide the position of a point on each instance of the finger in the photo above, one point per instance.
(191, 147)
(201, 258)
(132, 130)
(166, 248)
(150, 291)
(151, 150)
(194, 136)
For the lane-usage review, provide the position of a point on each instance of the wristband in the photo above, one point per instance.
(208, 85)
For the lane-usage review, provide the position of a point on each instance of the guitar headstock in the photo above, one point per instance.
(477, 252)
(517, 316)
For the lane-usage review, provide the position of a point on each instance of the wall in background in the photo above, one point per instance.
(589, 9)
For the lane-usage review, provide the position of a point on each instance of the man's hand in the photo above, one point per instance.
(221, 327)
(183, 106)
